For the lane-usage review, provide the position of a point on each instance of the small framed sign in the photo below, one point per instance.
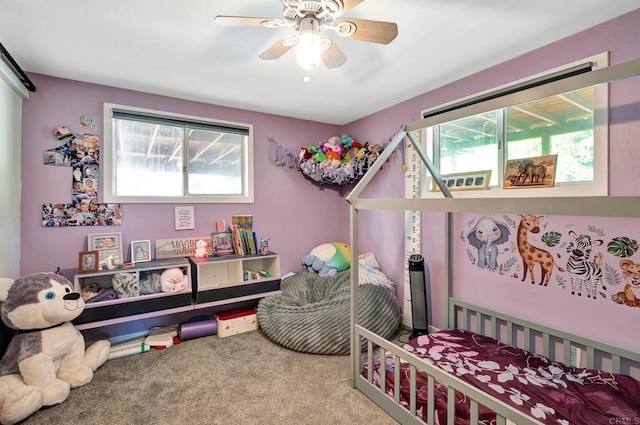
(185, 218)
(465, 181)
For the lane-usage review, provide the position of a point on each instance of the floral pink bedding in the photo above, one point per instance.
(548, 391)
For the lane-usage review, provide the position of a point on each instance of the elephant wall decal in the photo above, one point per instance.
(485, 236)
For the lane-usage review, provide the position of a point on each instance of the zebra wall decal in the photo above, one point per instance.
(579, 266)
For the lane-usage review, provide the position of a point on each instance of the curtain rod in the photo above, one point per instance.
(17, 70)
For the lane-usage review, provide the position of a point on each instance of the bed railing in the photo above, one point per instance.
(377, 347)
(554, 344)
(533, 337)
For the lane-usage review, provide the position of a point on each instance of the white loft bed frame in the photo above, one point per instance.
(527, 335)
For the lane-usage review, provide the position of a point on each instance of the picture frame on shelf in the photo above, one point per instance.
(88, 261)
(140, 251)
(107, 244)
(538, 171)
(474, 180)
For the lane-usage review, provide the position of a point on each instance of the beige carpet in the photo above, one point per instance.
(242, 379)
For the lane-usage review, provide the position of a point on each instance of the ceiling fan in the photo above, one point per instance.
(310, 18)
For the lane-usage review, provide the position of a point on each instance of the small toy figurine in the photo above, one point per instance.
(201, 249)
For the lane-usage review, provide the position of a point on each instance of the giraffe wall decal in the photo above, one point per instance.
(532, 255)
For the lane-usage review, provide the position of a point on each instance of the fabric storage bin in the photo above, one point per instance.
(233, 322)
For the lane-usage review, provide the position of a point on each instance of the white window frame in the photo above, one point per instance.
(108, 162)
(600, 184)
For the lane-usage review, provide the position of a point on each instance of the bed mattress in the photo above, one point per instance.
(549, 391)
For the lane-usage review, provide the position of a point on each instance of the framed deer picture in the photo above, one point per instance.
(539, 171)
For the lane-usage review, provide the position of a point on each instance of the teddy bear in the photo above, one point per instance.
(328, 259)
(201, 249)
(631, 293)
(47, 357)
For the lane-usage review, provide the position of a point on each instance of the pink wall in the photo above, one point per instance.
(296, 214)
(385, 230)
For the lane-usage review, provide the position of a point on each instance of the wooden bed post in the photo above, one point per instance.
(355, 344)
(448, 263)
(352, 198)
(353, 218)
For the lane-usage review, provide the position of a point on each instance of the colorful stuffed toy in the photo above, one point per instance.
(47, 357)
(328, 259)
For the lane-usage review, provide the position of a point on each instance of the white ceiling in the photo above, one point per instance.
(174, 48)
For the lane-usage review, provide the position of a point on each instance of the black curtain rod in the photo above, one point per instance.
(16, 69)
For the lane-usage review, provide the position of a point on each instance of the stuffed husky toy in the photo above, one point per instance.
(47, 357)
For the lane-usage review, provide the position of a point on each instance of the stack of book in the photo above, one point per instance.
(240, 239)
(245, 241)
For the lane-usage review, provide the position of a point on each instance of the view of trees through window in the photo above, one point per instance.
(561, 124)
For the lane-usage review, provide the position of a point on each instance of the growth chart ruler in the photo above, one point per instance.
(413, 178)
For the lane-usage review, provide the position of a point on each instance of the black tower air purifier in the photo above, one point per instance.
(418, 295)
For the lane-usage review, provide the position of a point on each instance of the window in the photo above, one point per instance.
(572, 125)
(158, 157)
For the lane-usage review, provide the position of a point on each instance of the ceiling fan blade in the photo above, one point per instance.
(278, 49)
(333, 57)
(348, 5)
(244, 21)
(361, 29)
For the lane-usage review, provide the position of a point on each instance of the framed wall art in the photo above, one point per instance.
(539, 171)
(185, 218)
(107, 244)
(474, 180)
(88, 261)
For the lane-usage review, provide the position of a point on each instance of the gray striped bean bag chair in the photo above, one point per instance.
(312, 314)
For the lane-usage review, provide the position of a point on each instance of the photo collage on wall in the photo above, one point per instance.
(80, 152)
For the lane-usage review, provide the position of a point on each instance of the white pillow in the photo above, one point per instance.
(369, 272)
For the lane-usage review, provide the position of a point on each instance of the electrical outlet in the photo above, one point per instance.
(576, 356)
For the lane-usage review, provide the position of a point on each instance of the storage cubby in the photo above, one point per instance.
(100, 313)
(228, 279)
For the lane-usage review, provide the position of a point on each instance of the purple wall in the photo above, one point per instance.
(622, 39)
(296, 214)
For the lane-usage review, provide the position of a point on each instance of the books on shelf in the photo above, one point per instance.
(240, 239)
(255, 275)
(244, 241)
(244, 222)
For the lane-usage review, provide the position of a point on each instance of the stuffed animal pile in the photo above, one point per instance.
(339, 159)
(47, 357)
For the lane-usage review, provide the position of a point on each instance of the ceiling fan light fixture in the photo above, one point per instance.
(309, 43)
(311, 18)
